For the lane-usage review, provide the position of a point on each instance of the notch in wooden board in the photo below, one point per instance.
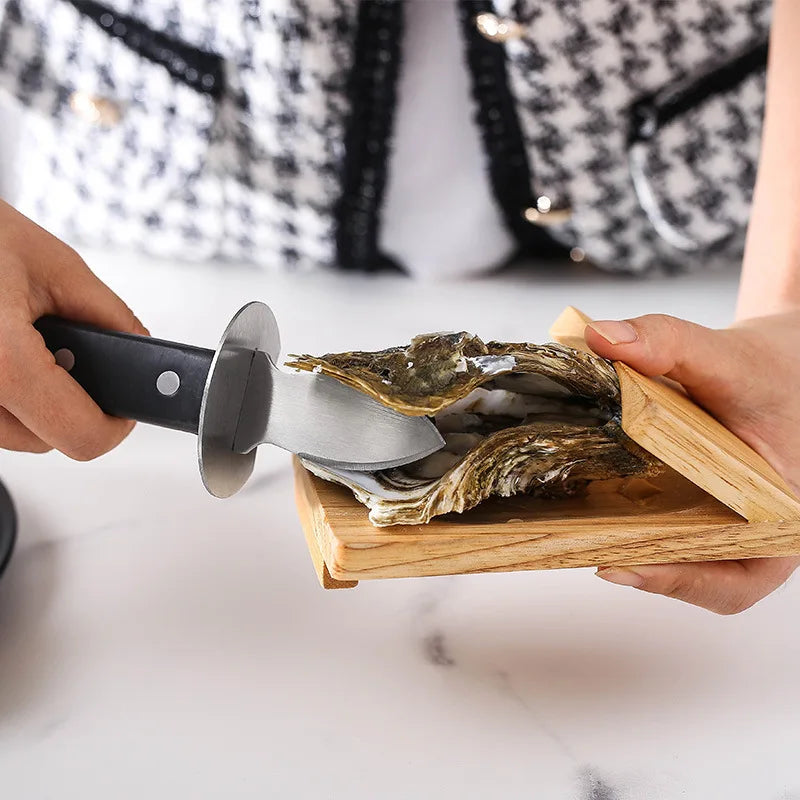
(664, 421)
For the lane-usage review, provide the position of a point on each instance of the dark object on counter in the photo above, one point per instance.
(8, 528)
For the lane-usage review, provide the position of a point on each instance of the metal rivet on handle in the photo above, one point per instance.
(168, 383)
(65, 358)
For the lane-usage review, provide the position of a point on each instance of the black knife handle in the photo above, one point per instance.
(121, 372)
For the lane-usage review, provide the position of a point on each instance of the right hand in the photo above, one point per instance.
(746, 377)
(41, 407)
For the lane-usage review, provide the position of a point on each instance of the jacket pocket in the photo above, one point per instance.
(114, 127)
(693, 152)
(195, 68)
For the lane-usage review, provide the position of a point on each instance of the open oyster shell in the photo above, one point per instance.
(542, 419)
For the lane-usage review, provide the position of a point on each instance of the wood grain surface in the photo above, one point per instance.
(633, 521)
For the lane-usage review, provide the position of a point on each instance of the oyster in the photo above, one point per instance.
(542, 419)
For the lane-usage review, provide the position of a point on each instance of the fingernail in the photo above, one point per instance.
(615, 331)
(622, 577)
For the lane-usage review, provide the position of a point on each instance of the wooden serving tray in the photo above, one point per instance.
(721, 500)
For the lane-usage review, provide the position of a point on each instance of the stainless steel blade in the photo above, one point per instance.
(321, 419)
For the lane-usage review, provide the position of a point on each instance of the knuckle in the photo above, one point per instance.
(70, 256)
(24, 444)
(674, 331)
(39, 447)
(97, 441)
(696, 589)
(787, 570)
(681, 588)
(658, 323)
(15, 436)
(88, 449)
(730, 606)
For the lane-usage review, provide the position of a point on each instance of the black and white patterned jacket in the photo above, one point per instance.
(260, 129)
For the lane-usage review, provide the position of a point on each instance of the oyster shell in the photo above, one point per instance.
(542, 419)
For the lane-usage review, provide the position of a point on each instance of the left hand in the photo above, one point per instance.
(748, 377)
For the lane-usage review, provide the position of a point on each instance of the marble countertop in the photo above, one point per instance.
(157, 642)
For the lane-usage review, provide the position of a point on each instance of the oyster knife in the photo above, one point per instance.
(235, 398)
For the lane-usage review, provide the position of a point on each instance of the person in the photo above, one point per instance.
(733, 372)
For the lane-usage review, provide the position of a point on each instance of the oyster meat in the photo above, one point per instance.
(541, 419)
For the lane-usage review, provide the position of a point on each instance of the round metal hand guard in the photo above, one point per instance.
(224, 471)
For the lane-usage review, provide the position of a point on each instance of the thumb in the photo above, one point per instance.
(708, 363)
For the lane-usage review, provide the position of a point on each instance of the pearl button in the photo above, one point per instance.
(498, 29)
(93, 108)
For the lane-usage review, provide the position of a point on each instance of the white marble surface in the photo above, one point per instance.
(156, 642)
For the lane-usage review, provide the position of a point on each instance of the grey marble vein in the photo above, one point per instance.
(595, 787)
(436, 650)
(506, 687)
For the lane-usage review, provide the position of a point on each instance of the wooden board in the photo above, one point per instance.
(720, 501)
(618, 522)
(664, 421)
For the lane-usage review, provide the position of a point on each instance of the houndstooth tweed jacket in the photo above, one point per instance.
(623, 130)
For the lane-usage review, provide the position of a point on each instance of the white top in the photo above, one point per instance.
(439, 218)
